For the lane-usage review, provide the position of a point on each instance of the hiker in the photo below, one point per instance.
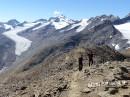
(90, 57)
(80, 60)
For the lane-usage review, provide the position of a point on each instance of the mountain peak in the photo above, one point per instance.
(13, 22)
(128, 15)
(40, 20)
(61, 21)
(61, 18)
(104, 17)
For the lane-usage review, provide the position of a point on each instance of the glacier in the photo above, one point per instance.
(22, 44)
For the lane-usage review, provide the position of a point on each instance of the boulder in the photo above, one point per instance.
(126, 96)
(124, 69)
(113, 91)
(86, 90)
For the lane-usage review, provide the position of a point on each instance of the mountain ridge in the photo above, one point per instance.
(58, 30)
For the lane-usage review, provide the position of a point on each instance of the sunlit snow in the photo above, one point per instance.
(63, 22)
(81, 25)
(42, 25)
(8, 26)
(125, 30)
(22, 44)
(60, 25)
(117, 47)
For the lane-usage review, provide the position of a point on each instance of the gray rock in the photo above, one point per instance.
(113, 91)
(86, 90)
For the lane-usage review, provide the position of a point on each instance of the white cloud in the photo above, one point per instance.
(57, 13)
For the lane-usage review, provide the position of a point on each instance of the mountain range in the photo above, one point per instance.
(32, 53)
(22, 39)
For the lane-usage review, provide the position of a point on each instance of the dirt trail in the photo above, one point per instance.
(75, 86)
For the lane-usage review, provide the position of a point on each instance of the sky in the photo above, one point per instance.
(31, 10)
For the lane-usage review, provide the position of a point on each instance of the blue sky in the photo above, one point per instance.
(76, 9)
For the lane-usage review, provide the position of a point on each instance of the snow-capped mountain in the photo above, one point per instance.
(60, 22)
(22, 40)
(13, 22)
(122, 20)
(4, 26)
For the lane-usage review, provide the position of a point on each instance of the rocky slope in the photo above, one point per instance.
(58, 75)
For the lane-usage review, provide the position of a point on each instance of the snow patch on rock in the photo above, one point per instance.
(61, 21)
(8, 26)
(3, 69)
(81, 25)
(59, 25)
(42, 25)
(117, 47)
